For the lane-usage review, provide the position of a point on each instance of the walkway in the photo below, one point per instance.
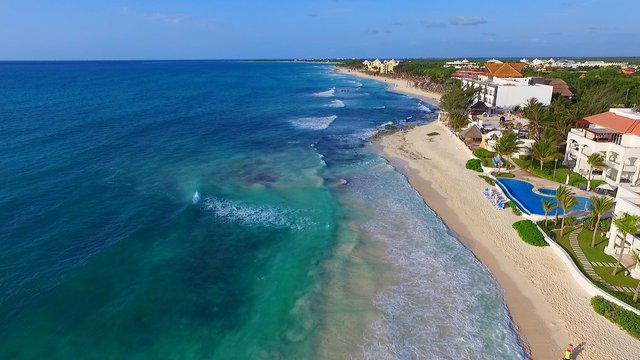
(588, 266)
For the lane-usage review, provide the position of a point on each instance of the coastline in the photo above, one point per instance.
(548, 309)
(534, 283)
(396, 85)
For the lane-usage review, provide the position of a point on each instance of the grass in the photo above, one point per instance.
(560, 175)
(596, 253)
(503, 174)
(489, 180)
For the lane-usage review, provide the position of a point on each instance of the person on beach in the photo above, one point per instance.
(567, 352)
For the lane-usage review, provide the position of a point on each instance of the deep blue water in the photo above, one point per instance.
(522, 191)
(302, 243)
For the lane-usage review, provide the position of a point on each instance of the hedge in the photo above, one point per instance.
(529, 233)
(483, 153)
(626, 319)
(474, 164)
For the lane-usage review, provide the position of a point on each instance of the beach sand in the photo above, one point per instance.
(548, 309)
(397, 85)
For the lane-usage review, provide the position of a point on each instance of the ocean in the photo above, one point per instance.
(224, 210)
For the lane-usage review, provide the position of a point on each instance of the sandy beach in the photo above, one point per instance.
(548, 309)
(397, 85)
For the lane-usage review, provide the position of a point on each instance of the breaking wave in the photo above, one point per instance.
(424, 108)
(329, 93)
(314, 123)
(254, 215)
(336, 104)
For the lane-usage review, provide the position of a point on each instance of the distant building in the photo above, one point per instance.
(616, 135)
(383, 67)
(503, 85)
(460, 64)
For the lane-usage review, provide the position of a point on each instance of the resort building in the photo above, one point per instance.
(502, 85)
(627, 200)
(382, 67)
(460, 64)
(615, 134)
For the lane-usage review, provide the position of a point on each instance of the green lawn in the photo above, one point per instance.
(561, 172)
(597, 253)
(503, 174)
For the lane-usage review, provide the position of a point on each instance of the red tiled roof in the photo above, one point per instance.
(615, 122)
(505, 70)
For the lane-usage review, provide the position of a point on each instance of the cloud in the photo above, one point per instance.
(371, 32)
(433, 24)
(172, 19)
(467, 20)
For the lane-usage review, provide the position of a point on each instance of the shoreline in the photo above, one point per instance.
(396, 85)
(534, 283)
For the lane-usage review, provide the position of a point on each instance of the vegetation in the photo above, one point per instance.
(483, 153)
(506, 145)
(486, 157)
(529, 232)
(456, 103)
(545, 150)
(600, 205)
(559, 176)
(489, 180)
(566, 200)
(595, 161)
(503, 175)
(547, 206)
(474, 164)
(626, 319)
(433, 69)
(626, 224)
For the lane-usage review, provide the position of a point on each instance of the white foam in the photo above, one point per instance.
(314, 123)
(255, 215)
(329, 93)
(422, 107)
(196, 197)
(336, 104)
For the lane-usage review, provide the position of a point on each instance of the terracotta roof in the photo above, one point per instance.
(560, 87)
(615, 122)
(505, 69)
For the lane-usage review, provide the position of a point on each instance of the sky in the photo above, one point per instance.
(276, 29)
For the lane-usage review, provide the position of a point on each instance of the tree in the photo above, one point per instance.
(547, 206)
(626, 224)
(537, 115)
(599, 206)
(595, 160)
(567, 202)
(544, 150)
(560, 193)
(458, 121)
(506, 145)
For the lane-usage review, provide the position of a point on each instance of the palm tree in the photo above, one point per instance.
(561, 192)
(547, 206)
(567, 202)
(537, 115)
(544, 150)
(595, 160)
(507, 145)
(626, 224)
(599, 206)
(458, 121)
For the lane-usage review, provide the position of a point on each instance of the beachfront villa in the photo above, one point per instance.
(461, 64)
(627, 200)
(503, 85)
(615, 134)
(382, 67)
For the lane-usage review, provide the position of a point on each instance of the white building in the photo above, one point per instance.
(460, 64)
(616, 135)
(508, 93)
(627, 200)
(382, 67)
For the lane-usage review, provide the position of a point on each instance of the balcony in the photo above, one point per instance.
(599, 135)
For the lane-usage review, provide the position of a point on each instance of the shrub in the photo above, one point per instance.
(605, 225)
(529, 233)
(503, 174)
(588, 223)
(489, 180)
(514, 208)
(483, 153)
(626, 319)
(433, 133)
(474, 164)
(570, 221)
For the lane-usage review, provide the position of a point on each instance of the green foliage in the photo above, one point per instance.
(514, 209)
(474, 164)
(457, 100)
(624, 318)
(529, 233)
(503, 174)
(545, 150)
(571, 220)
(482, 153)
(431, 68)
(489, 180)
(547, 172)
(458, 120)
(605, 225)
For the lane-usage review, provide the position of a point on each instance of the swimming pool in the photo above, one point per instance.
(530, 202)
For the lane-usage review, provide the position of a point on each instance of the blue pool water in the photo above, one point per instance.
(531, 202)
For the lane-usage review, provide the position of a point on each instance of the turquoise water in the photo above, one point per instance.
(531, 201)
(301, 243)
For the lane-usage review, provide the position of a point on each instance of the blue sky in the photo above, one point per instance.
(233, 29)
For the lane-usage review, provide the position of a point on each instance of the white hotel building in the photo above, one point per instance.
(627, 200)
(616, 135)
(508, 93)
